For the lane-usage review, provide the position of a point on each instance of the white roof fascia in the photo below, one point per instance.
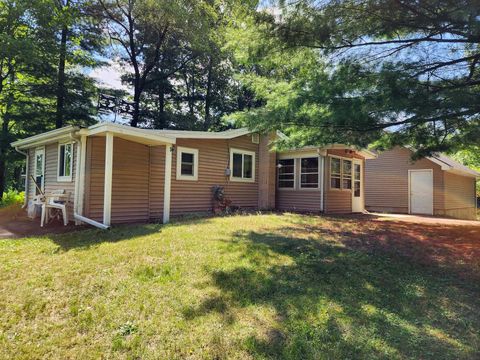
(226, 135)
(45, 138)
(118, 129)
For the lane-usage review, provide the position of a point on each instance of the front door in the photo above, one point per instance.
(358, 204)
(39, 169)
(421, 191)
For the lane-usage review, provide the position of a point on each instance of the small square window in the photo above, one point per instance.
(187, 164)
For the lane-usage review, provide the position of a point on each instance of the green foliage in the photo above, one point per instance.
(12, 197)
(470, 156)
(385, 69)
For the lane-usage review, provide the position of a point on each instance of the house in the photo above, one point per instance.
(435, 185)
(119, 174)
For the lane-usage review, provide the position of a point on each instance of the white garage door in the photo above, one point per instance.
(421, 191)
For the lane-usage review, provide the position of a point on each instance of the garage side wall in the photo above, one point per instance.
(386, 181)
(459, 196)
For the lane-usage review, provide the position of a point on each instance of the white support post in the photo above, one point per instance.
(76, 194)
(107, 195)
(167, 183)
(81, 184)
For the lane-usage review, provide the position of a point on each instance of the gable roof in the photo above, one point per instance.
(448, 164)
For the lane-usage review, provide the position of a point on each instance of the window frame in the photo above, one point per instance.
(243, 153)
(181, 150)
(300, 187)
(64, 178)
(350, 177)
(294, 175)
(342, 159)
(41, 150)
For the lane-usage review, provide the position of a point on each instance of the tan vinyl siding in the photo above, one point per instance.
(130, 182)
(386, 181)
(51, 173)
(139, 172)
(299, 200)
(267, 173)
(459, 196)
(94, 178)
(157, 181)
(214, 157)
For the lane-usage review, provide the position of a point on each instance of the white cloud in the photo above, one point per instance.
(110, 76)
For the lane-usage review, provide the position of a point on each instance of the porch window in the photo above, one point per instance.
(335, 173)
(309, 173)
(286, 173)
(65, 162)
(357, 180)
(187, 164)
(243, 165)
(340, 173)
(347, 174)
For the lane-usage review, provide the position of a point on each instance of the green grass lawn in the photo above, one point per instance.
(251, 286)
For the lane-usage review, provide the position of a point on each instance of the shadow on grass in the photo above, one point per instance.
(333, 301)
(87, 238)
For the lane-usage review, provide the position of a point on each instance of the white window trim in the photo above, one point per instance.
(40, 149)
(69, 177)
(186, 150)
(243, 152)
(294, 188)
(300, 187)
(341, 173)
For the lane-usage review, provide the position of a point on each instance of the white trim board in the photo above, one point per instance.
(184, 150)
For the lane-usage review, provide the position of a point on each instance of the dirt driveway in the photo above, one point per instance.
(14, 223)
(454, 244)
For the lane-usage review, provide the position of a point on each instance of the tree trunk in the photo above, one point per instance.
(161, 107)
(61, 79)
(136, 105)
(208, 95)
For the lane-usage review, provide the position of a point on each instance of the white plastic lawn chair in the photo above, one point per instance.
(56, 200)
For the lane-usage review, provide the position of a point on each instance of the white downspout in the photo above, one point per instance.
(322, 181)
(26, 174)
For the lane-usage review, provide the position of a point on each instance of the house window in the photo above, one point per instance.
(346, 174)
(39, 170)
(335, 173)
(286, 173)
(340, 174)
(187, 164)
(309, 172)
(65, 156)
(243, 165)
